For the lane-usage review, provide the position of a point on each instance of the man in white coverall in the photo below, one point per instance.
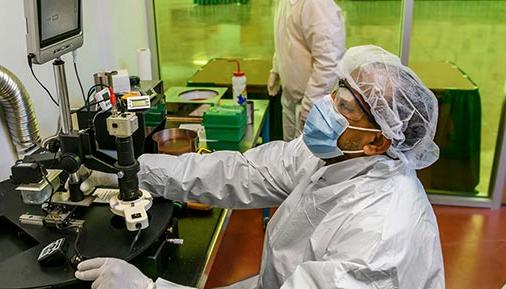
(352, 213)
(309, 39)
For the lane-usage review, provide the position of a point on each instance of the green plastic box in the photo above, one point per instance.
(155, 115)
(225, 123)
(232, 135)
(224, 146)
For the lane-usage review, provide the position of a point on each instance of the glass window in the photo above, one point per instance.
(457, 48)
(190, 35)
(372, 22)
(470, 35)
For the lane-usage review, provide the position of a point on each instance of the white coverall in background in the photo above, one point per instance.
(361, 223)
(309, 39)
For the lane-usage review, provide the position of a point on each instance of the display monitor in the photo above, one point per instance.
(54, 28)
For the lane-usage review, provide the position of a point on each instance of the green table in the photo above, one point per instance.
(202, 231)
(458, 132)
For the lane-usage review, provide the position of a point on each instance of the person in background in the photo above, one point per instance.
(309, 39)
(352, 213)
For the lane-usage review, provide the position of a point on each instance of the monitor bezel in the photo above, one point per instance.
(54, 47)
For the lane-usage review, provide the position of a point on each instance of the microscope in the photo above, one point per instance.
(48, 39)
(131, 202)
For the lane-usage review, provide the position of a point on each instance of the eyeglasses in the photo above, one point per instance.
(350, 105)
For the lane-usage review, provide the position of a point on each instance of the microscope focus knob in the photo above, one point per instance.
(70, 163)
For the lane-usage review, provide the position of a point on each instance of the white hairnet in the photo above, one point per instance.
(404, 108)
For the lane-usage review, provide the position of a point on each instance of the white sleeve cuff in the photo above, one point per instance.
(164, 284)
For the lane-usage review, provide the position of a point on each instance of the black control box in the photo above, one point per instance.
(54, 254)
(26, 173)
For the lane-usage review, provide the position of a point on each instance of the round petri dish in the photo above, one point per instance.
(198, 94)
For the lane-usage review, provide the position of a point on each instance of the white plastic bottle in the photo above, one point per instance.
(239, 85)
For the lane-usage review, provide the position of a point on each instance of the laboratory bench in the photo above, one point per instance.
(187, 264)
(103, 234)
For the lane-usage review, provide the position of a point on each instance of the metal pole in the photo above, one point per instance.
(406, 28)
(498, 181)
(74, 188)
(63, 95)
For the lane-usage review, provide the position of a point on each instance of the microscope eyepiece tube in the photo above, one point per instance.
(129, 167)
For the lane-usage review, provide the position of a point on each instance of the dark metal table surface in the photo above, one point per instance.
(189, 264)
(20, 244)
(202, 233)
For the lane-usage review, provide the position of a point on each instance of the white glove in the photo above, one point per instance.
(300, 116)
(111, 273)
(97, 178)
(273, 84)
(303, 116)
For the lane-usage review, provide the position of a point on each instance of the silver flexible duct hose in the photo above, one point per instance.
(21, 120)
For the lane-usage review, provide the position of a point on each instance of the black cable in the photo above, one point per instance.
(30, 64)
(91, 103)
(134, 241)
(67, 220)
(96, 114)
(78, 236)
(79, 81)
(50, 184)
(76, 242)
(92, 90)
(47, 180)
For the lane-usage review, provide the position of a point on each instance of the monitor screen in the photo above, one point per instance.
(58, 20)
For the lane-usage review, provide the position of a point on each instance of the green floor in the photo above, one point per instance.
(470, 33)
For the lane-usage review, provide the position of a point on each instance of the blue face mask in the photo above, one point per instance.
(324, 126)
